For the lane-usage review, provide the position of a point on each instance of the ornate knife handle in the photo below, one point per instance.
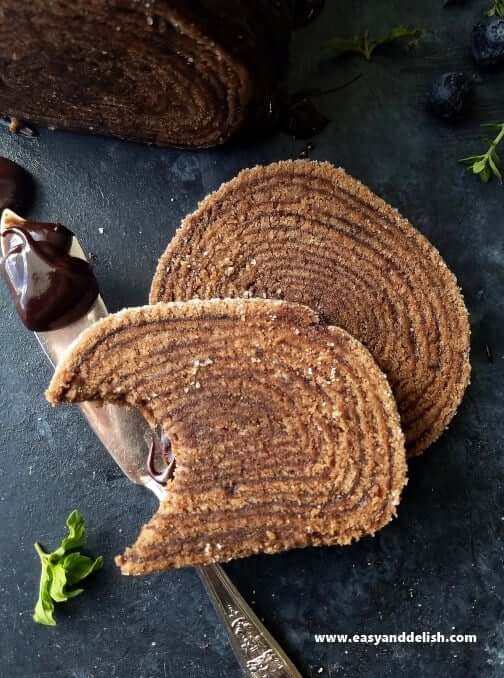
(255, 648)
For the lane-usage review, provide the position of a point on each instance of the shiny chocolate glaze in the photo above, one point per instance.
(50, 287)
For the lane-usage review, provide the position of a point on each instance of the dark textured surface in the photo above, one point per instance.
(438, 566)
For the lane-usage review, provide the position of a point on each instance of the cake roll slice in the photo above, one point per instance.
(171, 72)
(307, 232)
(285, 432)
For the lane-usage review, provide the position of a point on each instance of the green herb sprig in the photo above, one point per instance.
(365, 46)
(488, 164)
(496, 8)
(63, 569)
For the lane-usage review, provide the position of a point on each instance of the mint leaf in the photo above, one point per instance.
(365, 46)
(496, 8)
(44, 609)
(62, 569)
(78, 567)
(488, 165)
(479, 166)
(59, 582)
(344, 45)
(398, 34)
(76, 536)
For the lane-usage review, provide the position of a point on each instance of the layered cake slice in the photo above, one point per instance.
(170, 72)
(285, 432)
(309, 233)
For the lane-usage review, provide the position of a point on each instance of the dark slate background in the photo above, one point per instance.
(439, 566)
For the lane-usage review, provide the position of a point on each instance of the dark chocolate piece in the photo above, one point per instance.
(306, 150)
(16, 186)
(303, 119)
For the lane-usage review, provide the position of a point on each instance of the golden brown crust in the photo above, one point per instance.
(285, 431)
(307, 232)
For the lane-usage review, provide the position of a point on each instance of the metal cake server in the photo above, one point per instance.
(128, 438)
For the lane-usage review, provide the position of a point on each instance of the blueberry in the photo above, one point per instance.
(450, 95)
(487, 42)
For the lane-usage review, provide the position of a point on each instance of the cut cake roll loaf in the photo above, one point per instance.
(307, 232)
(284, 431)
(171, 72)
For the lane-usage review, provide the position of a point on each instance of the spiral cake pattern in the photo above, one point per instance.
(309, 233)
(170, 72)
(285, 432)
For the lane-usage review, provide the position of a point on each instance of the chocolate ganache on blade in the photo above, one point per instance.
(50, 287)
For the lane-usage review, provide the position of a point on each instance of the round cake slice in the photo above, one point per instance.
(285, 432)
(307, 232)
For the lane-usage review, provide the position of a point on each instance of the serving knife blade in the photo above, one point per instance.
(128, 438)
